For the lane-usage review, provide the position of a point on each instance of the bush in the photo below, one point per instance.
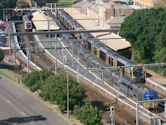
(35, 79)
(88, 114)
(55, 91)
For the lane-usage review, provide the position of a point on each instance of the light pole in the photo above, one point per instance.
(28, 54)
(67, 93)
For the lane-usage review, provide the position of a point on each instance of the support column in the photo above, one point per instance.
(137, 113)
(165, 109)
(78, 75)
(68, 93)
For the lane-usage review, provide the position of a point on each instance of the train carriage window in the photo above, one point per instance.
(120, 64)
(102, 55)
(89, 46)
(110, 61)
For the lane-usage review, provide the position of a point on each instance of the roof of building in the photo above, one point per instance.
(113, 41)
(116, 20)
(43, 22)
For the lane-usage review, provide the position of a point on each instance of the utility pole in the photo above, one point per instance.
(137, 113)
(102, 76)
(67, 93)
(28, 54)
(78, 75)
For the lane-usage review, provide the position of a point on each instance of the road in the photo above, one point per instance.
(18, 106)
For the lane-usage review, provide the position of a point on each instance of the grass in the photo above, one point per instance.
(67, 3)
(9, 74)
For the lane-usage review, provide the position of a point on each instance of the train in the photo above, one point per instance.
(150, 95)
(109, 56)
(132, 82)
(27, 22)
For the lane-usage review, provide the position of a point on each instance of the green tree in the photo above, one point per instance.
(161, 39)
(6, 4)
(35, 79)
(52, 1)
(1, 55)
(160, 55)
(88, 114)
(145, 30)
(55, 88)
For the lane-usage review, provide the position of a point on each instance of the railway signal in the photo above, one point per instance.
(112, 115)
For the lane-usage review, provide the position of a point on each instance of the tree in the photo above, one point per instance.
(1, 55)
(55, 88)
(145, 29)
(6, 4)
(52, 1)
(34, 80)
(88, 114)
(161, 39)
(160, 55)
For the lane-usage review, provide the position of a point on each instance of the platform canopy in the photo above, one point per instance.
(43, 22)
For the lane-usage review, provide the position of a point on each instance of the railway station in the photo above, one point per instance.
(103, 59)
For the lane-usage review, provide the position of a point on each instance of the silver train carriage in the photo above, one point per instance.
(110, 57)
(132, 86)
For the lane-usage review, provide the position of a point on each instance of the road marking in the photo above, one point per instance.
(8, 101)
(23, 113)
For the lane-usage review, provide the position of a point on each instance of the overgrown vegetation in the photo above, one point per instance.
(53, 88)
(146, 29)
(35, 79)
(88, 114)
(6, 4)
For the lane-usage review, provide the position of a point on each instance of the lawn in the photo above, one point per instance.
(9, 74)
(66, 3)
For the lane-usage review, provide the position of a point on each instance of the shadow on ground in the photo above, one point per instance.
(22, 120)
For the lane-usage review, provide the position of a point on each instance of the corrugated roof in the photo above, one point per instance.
(113, 41)
(43, 22)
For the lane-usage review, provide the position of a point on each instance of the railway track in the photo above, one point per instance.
(41, 59)
(45, 63)
(38, 58)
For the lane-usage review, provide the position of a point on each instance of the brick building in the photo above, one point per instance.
(105, 10)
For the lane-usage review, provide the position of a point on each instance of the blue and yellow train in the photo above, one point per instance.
(134, 75)
(150, 95)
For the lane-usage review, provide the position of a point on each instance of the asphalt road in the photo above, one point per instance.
(20, 107)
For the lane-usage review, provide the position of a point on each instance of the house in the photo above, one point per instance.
(145, 3)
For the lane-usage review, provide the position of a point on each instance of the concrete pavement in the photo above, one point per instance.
(18, 106)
